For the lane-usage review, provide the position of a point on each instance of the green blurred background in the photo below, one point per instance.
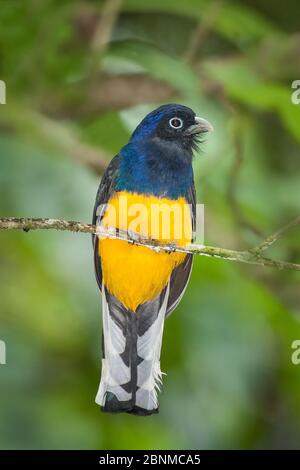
(80, 75)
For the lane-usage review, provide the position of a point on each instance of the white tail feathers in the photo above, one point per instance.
(114, 370)
(136, 384)
(149, 349)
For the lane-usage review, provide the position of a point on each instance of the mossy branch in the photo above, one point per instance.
(251, 256)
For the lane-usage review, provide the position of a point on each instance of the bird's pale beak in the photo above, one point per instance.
(202, 125)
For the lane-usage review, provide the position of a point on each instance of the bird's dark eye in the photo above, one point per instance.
(176, 123)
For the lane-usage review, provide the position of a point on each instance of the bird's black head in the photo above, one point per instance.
(175, 123)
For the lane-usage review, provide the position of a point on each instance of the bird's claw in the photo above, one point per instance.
(172, 248)
(133, 237)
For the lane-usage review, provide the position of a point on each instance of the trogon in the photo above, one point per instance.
(141, 286)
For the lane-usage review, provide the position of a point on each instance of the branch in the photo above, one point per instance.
(268, 242)
(203, 30)
(234, 176)
(108, 92)
(102, 35)
(251, 256)
(103, 32)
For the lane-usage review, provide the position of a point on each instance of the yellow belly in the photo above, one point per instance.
(136, 274)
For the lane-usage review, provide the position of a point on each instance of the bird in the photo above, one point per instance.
(140, 286)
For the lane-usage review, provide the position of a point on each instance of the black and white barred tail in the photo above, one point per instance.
(131, 375)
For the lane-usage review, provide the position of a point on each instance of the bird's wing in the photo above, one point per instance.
(104, 193)
(181, 274)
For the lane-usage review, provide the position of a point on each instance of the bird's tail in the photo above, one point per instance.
(131, 374)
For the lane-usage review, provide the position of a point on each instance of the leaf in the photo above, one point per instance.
(158, 65)
(240, 24)
(243, 84)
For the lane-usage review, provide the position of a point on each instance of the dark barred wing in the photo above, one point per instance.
(180, 276)
(104, 193)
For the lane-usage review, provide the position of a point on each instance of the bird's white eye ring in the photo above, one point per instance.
(176, 122)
